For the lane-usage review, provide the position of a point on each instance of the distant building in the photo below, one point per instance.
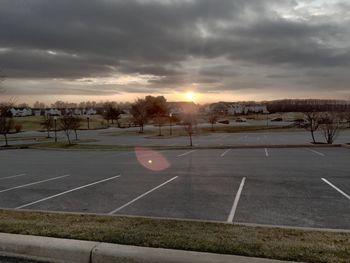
(227, 108)
(90, 111)
(21, 112)
(37, 112)
(52, 112)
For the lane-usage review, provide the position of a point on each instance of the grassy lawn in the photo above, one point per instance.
(32, 123)
(66, 146)
(276, 243)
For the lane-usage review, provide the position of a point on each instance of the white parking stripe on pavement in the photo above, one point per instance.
(336, 188)
(141, 196)
(225, 152)
(13, 176)
(66, 192)
(235, 203)
(316, 152)
(186, 153)
(34, 183)
(266, 152)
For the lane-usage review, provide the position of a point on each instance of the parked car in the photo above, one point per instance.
(241, 120)
(277, 119)
(224, 122)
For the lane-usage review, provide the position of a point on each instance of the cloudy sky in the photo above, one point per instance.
(219, 49)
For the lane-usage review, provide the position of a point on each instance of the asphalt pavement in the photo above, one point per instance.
(307, 187)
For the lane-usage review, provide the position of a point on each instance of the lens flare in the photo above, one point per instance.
(151, 160)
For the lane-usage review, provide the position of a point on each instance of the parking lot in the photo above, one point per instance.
(306, 187)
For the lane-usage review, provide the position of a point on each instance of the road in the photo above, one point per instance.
(115, 136)
(307, 187)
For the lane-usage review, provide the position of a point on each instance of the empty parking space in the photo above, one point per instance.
(290, 186)
(293, 201)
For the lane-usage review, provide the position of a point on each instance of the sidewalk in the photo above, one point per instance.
(67, 250)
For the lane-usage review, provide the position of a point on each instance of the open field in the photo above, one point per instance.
(32, 123)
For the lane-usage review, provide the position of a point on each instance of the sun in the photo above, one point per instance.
(189, 95)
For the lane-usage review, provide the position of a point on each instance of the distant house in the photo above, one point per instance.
(219, 108)
(52, 112)
(37, 112)
(21, 112)
(236, 108)
(227, 108)
(77, 112)
(255, 108)
(90, 111)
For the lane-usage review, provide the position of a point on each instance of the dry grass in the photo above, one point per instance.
(276, 243)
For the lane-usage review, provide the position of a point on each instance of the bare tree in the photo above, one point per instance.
(330, 124)
(139, 112)
(111, 112)
(312, 122)
(39, 105)
(347, 116)
(67, 125)
(6, 121)
(189, 122)
(76, 123)
(47, 124)
(160, 120)
(213, 118)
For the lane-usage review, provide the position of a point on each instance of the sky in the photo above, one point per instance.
(227, 50)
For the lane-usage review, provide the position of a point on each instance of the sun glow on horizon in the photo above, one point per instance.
(190, 96)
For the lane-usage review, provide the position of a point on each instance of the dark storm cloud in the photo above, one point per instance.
(96, 38)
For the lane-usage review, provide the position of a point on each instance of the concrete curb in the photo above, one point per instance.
(46, 248)
(67, 250)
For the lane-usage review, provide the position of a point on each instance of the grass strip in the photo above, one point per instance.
(65, 146)
(274, 243)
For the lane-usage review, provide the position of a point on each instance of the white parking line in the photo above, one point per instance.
(140, 196)
(37, 182)
(66, 192)
(235, 203)
(336, 188)
(13, 176)
(186, 153)
(319, 153)
(266, 152)
(224, 153)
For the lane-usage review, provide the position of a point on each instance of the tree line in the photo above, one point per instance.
(304, 105)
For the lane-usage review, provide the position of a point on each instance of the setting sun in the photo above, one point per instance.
(190, 95)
